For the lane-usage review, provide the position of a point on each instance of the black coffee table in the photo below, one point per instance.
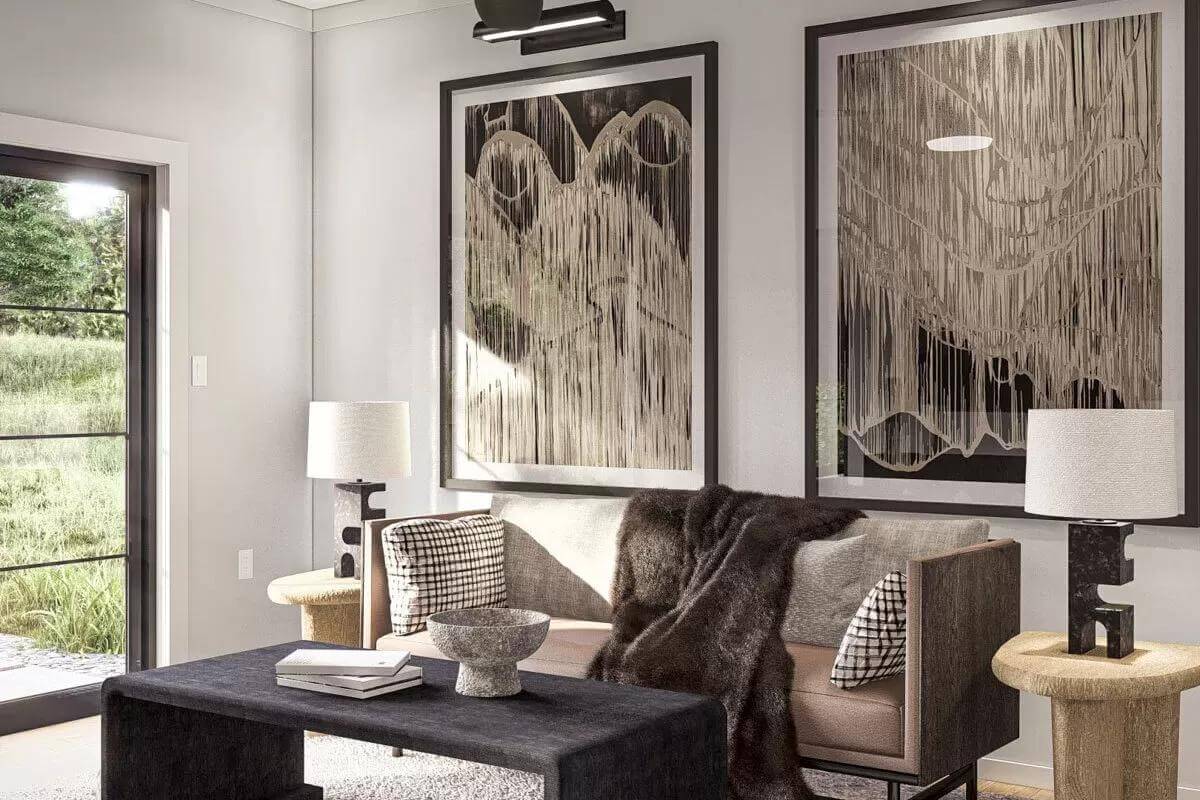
(221, 729)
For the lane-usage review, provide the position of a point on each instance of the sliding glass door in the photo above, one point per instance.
(76, 461)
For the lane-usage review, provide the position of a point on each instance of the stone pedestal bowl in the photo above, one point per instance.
(488, 643)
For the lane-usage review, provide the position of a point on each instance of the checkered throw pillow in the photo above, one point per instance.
(874, 644)
(441, 564)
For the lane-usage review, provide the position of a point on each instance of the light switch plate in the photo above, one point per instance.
(199, 371)
(245, 565)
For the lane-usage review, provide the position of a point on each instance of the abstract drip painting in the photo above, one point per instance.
(578, 286)
(977, 278)
(1026, 276)
(578, 278)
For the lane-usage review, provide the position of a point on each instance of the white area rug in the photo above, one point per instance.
(352, 770)
(358, 771)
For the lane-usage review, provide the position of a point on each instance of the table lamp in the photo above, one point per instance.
(352, 441)
(1100, 466)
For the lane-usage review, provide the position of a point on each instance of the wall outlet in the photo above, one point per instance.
(199, 371)
(245, 565)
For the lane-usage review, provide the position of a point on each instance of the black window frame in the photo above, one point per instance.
(139, 182)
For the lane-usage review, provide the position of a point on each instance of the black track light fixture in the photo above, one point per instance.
(559, 28)
(511, 14)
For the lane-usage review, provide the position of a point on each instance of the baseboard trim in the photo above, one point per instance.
(28, 713)
(1039, 777)
(1014, 772)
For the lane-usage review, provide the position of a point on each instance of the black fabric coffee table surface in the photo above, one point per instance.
(532, 731)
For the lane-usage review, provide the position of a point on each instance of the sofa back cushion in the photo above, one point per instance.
(826, 590)
(560, 553)
(830, 577)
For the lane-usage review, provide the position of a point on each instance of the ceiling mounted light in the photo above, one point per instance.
(959, 144)
(560, 28)
(509, 13)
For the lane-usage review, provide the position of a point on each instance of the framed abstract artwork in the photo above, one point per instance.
(579, 252)
(1000, 203)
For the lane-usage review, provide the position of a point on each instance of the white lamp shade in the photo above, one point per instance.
(368, 440)
(1101, 464)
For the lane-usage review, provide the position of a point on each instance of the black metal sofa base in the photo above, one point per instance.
(967, 776)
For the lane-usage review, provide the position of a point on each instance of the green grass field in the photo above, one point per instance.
(62, 498)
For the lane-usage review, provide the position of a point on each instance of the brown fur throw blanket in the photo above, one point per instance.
(701, 586)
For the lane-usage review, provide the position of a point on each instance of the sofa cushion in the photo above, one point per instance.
(560, 553)
(826, 592)
(895, 542)
(569, 647)
(830, 577)
(866, 719)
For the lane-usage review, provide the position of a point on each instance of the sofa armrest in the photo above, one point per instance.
(961, 607)
(375, 608)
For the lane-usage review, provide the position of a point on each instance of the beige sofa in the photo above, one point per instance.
(931, 724)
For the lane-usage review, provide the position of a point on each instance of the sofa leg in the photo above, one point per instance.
(972, 784)
(397, 752)
(967, 776)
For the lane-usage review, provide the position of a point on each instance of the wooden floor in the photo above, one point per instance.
(1016, 791)
(37, 758)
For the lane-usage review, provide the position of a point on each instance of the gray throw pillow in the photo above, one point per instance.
(830, 577)
(894, 542)
(826, 590)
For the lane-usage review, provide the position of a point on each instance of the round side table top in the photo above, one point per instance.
(317, 588)
(1038, 662)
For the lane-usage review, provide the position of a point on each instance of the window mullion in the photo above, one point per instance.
(33, 437)
(63, 563)
(65, 309)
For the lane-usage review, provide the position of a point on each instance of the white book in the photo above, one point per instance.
(343, 662)
(296, 683)
(364, 683)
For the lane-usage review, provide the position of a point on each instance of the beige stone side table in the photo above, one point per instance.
(1116, 721)
(329, 606)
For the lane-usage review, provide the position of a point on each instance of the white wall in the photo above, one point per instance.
(237, 90)
(376, 272)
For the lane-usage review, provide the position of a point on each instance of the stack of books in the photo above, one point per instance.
(349, 673)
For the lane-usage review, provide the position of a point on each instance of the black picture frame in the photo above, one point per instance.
(1191, 242)
(709, 52)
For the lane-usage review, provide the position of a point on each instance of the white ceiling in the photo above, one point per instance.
(322, 15)
(313, 5)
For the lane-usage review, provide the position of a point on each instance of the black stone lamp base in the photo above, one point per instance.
(1096, 555)
(351, 508)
